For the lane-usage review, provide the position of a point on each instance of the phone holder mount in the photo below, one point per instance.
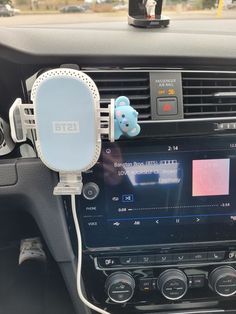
(69, 124)
(147, 14)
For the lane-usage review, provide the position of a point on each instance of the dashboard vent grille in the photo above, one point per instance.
(208, 95)
(134, 85)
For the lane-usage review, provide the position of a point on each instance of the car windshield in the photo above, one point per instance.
(67, 12)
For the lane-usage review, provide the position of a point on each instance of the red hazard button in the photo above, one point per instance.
(167, 106)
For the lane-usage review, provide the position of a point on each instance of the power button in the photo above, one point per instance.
(91, 191)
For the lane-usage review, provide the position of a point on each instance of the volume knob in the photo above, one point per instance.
(90, 191)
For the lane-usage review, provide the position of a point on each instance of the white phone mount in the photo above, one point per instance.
(68, 122)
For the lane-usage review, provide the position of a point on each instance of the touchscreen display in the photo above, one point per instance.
(162, 192)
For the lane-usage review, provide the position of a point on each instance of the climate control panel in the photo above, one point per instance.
(163, 279)
(171, 284)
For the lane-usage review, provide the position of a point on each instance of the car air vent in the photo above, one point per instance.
(134, 85)
(209, 94)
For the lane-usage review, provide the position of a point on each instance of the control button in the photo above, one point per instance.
(116, 224)
(115, 199)
(222, 280)
(216, 256)
(120, 287)
(167, 106)
(136, 222)
(198, 257)
(90, 191)
(91, 209)
(177, 221)
(106, 262)
(127, 198)
(154, 284)
(196, 281)
(181, 257)
(232, 255)
(199, 220)
(225, 126)
(128, 260)
(163, 258)
(145, 284)
(146, 259)
(148, 284)
(173, 284)
(93, 223)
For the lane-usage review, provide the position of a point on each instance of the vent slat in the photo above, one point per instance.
(137, 107)
(209, 104)
(123, 88)
(210, 87)
(198, 95)
(145, 98)
(143, 116)
(135, 85)
(209, 79)
(209, 94)
(124, 79)
(209, 113)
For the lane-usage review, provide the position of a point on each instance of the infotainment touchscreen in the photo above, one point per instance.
(161, 192)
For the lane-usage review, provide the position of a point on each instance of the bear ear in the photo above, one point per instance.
(122, 101)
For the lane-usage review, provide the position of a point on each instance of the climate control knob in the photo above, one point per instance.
(173, 284)
(222, 280)
(120, 287)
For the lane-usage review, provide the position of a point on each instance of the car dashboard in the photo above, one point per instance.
(157, 212)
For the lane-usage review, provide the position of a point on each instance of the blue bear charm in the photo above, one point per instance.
(126, 118)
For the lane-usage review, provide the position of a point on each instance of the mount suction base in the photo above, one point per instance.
(140, 21)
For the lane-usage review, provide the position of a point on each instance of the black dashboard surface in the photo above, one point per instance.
(184, 39)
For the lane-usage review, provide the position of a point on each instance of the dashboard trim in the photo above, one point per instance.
(191, 120)
(152, 70)
(182, 265)
(139, 248)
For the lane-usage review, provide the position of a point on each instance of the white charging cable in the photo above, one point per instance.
(80, 254)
